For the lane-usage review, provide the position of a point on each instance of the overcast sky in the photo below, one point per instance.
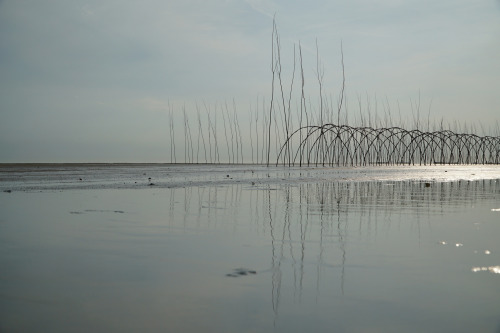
(95, 81)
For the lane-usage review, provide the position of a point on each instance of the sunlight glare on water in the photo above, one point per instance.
(492, 269)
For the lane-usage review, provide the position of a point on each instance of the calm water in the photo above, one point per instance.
(249, 249)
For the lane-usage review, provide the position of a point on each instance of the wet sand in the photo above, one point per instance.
(35, 177)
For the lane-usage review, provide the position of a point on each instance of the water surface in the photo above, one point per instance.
(249, 249)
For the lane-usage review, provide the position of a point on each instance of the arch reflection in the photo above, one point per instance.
(312, 231)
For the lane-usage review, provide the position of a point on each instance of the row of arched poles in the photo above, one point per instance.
(343, 145)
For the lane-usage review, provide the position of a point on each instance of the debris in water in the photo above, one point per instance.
(241, 272)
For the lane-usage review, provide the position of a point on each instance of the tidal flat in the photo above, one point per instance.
(249, 248)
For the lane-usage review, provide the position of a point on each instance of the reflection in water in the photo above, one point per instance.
(311, 227)
(289, 255)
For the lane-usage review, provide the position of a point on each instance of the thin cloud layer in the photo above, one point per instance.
(96, 81)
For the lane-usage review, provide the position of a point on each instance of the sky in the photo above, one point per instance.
(100, 81)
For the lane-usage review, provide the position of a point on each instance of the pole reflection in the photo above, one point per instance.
(309, 228)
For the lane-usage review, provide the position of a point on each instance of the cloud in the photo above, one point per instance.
(72, 68)
(265, 7)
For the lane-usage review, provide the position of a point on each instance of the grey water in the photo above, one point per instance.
(170, 248)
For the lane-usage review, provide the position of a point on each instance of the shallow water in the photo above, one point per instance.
(408, 250)
(35, 177)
